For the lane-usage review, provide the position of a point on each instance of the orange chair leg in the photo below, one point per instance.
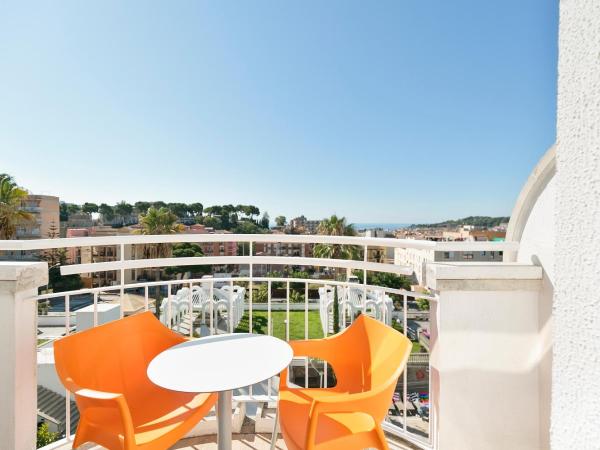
(383, 445)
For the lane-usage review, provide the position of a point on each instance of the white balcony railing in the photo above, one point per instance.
(293, 308)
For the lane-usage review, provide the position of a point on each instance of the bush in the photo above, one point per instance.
(383, 279)
(296, 297)
(262, 294)
(45, 436)
(423, 304)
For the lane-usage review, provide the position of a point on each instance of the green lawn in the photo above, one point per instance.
(416, 348)
(259, 324)
(42, 341)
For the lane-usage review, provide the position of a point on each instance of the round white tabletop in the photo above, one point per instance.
(220, 363)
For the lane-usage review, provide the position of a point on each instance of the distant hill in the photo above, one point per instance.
(478, 221)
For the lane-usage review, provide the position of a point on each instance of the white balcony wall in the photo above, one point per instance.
(485, 363)
(532, 224)
(576, 364)
(18, 388)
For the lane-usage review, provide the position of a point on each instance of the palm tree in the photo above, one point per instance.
(336, 226)
(158, 221)
(11, 197)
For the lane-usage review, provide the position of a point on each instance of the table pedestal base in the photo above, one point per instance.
(224, 406)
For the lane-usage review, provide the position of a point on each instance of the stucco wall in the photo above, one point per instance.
(537, 240)
(576, 360)
(537, 247)
(484, 363)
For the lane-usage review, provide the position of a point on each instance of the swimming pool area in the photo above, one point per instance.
(76, 302)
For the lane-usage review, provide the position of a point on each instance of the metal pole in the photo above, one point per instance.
(224, 407)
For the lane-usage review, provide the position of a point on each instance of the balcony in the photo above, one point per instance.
(453, 334)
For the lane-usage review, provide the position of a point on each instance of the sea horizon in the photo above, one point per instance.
(383, 225)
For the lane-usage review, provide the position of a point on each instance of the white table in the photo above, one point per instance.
(220, 364)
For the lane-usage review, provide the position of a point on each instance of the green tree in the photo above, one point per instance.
(11, 214)
(422, 304)
(63, 283)
(45, 436)
(141, 207)
(390, 280)
(196, 209)
(63, 212)
(89, 208)
(7, 176)
(212, 222)
(248, 210)
(56, 258)
(336, 311)
(52, 256)
(336, 226)
(280, 221)
(179, 209)
(107, 212)
(253, 211)
(265, 220)
(214, 210)
(246, 227)
(188, 250)
(73, 208)
(241, 209)
(158, 221)
(123, 210)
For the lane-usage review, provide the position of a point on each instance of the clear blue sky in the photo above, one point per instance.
(399, 111)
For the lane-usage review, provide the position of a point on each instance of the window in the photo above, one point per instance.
(446, 255)
(467, 255)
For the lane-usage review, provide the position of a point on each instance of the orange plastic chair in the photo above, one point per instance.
(367, 359)
(120, 408)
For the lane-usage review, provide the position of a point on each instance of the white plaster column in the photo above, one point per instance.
(18, 337)
(576, 315)
(485, 355)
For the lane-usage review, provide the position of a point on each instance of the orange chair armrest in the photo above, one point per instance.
(96, 395)
(316, 348)
(91, 394)
(338, 403)
(103, 399)
(343, 403)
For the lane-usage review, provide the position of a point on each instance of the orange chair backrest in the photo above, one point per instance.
(113, 357)
(372, 356)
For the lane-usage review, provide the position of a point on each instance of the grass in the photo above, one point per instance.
(260, 322)
(416, 348)
(42, 341)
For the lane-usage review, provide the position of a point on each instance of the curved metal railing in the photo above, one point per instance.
(236, 308)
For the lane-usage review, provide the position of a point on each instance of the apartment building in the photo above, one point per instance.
(76, 220)
(303, 226)
(418, 258)
(213, 248)
(46, 217)
(379, 254)
(100, 253)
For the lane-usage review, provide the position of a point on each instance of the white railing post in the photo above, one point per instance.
(122, 276)
(19, 282)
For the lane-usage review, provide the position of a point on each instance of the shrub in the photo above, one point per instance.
(45, 436)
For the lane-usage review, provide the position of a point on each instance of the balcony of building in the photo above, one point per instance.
(471, 310)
